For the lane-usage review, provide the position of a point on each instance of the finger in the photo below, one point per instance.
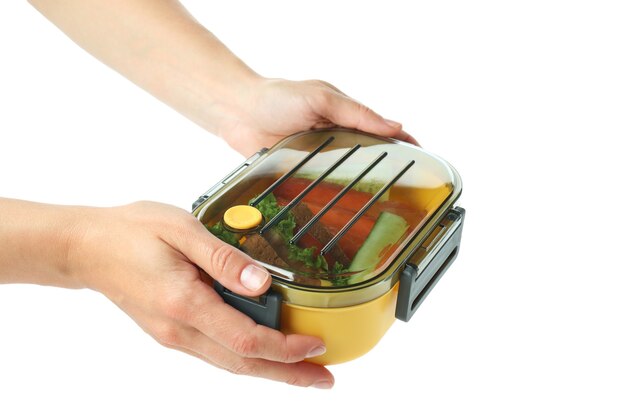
(405, 137)
(240, 334)
(224, 263)
(195, 354)
(346, 112)
(331, 86)
(301, 374)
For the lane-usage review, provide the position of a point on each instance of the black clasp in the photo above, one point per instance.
(265, 311)
(416, 282)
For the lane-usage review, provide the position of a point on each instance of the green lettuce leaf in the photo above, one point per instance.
(227, 236)
(269, 208)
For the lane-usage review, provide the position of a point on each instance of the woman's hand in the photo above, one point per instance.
(275, 108)
(161, 48)
(143, 257)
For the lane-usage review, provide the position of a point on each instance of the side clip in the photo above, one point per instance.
(416, 282)
(265, 311)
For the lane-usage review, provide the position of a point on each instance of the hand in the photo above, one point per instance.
(143, 257)
(277, 108)
(160, 47)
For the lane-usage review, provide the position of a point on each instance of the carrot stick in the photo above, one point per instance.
(322, 193)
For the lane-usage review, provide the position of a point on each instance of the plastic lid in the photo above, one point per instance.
(339, 206)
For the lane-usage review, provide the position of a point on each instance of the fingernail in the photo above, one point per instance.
(393, 124)
(414, 140)
(317, 351)
(253, 277)
(322, 384)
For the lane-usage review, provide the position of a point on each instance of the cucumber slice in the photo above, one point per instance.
(386, 232)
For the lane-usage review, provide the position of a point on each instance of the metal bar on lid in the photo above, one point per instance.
(332, 202)
(289, 173)
(358, 215)
(304, 192)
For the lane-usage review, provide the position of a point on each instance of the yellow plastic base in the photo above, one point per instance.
(348, 332)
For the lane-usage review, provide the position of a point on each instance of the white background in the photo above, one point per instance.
(526, 99)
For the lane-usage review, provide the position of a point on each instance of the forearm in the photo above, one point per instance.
(35, 243)
(159, 46)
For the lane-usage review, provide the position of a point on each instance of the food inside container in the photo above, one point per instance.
(338, 216)
(393, 212)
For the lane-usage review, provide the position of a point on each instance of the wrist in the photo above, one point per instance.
(76, 222)
(64, 236)
(205, 81)
(39, 240)
(228, 99)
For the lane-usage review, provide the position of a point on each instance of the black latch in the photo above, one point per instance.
(265, 311)
(199, 201)
(416, 284)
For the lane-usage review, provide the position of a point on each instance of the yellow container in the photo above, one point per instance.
(349, 332)
(384, 208)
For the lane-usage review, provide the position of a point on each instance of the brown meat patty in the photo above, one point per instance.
(260, 249)
(303, 214)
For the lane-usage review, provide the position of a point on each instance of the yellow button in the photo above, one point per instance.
(243, 217)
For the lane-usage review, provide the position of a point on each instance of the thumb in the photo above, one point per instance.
(232, 268)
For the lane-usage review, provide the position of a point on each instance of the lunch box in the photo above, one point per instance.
(355, 230)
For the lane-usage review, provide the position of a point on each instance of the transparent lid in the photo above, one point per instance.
(330, 208)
